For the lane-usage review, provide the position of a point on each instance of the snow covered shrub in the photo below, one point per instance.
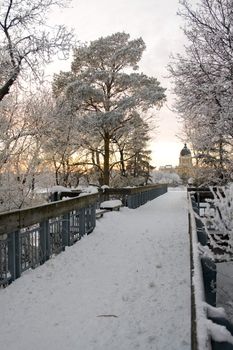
(161, 177)
(218, 220)
(207, 176)
(15, 192)
(125, 181)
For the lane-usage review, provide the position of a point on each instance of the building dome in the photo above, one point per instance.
(185, 151)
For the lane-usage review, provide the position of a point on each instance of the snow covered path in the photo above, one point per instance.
(124, 287)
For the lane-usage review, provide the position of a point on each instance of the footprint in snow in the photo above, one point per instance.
(151, 285)
(151, 339)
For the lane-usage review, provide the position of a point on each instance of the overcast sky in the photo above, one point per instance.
(159, 26)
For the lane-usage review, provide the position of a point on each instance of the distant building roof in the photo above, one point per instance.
(185, 151)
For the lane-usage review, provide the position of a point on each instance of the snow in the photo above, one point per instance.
(104, 187)
(219, 333)
(59, 189)
(88, 189)
(111, 203)
(126, 286)
(215, 311)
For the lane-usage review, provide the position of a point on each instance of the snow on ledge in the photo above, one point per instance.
(197, 281)
(219, 333)
(104, 187)
(111, 203)
(59, 189)
(215, 311)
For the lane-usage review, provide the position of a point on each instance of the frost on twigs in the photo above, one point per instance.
(218, 221)
(26, 41)
(202, 76)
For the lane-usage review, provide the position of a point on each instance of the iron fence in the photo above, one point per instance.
(4, 269)
(29, 237)
(203, 279)
(133, 197)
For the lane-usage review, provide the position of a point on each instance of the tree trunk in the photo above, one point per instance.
(5, 89)
(122, 162)
(135, 169)
(56, 177)
(106, 158)
(221, 156)
(98, 158)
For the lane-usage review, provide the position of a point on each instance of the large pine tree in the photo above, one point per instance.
(105, 90)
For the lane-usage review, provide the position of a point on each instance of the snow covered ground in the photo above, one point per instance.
(124, 287)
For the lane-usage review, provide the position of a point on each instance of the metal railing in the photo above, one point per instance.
(29, 237)
(136, 196)
(197, 288)
(203, 279)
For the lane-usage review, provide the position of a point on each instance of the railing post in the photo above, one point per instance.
(88, 219)
(93, 211)
(44, 241)
(17, 254)
(129, 201)
(134, 201)
(154, 195)
(82, 221)
(11, 255)
(198, 202)
(66, 230)
(14, 255)
(124, 199)
(4, 270)
(209, 278)
(138, 199)
(143, 196)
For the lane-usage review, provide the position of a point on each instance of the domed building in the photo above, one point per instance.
(185, 167)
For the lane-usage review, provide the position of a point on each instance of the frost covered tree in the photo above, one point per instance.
(130, 141)
(8, 138)
(138, 163)
(132, 156)
(26, 42)
(106, 90)
(162, 177)
(63, 147)
(203, 79)
(20, 147)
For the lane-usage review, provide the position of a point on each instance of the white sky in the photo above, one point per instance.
(159, 26)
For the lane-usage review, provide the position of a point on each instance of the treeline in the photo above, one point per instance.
(94, 121)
